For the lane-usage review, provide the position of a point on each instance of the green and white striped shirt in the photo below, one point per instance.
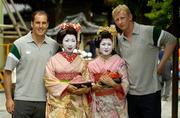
(30, 61)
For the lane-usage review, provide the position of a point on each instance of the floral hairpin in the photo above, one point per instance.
(65, 26)
(110, 29)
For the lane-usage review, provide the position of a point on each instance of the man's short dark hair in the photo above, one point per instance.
(40, 12)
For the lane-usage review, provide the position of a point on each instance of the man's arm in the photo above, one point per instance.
(168, 50)
(8, 91)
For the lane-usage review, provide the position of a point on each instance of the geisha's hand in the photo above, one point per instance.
(96, 87)
(105, 79)
(83, 90)
(71, 88)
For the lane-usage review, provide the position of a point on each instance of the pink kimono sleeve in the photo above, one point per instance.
(123, 71)
(54, 86)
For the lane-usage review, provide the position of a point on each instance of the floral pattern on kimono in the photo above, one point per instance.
(106, 103)
(60, 71)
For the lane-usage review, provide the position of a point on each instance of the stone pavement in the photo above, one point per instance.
(166, 108)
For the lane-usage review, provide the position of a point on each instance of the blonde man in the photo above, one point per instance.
(139, 45)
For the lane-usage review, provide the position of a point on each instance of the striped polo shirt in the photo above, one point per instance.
(141, 56)
(30, 61)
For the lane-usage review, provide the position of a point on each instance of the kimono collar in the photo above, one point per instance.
(69, 58)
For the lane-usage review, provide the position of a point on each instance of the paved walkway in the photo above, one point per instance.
(3, 113)
(166, 108)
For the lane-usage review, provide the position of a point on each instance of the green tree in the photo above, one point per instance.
(161, 12)
(155, 12)
(138, 9)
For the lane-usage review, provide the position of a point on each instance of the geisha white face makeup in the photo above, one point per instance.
(106, 46)
(69, 43)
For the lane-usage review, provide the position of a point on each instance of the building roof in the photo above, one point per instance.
(86, 26)
(18, 7)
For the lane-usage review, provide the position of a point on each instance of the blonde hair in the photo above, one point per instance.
(120, 8)
(111, 30)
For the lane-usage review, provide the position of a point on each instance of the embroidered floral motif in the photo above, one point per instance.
(67, 76)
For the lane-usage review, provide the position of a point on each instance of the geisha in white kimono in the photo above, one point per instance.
(110, 78)
(65, 100)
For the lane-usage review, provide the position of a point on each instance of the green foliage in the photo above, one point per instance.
(138, 8)
(155, 12)
(161, 12)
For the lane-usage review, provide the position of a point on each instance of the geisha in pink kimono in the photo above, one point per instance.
(110, 79)
(65, 74)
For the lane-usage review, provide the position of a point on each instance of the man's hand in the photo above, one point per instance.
(10, 106)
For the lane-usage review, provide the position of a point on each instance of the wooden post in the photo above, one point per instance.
(19, 16)
(12, 17)
(175, 27)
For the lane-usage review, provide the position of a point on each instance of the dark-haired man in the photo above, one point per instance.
(29, 55)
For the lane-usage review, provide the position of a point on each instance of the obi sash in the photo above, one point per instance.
(66, 76)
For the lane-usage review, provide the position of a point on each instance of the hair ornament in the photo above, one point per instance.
(110, 29)
(65, 26)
